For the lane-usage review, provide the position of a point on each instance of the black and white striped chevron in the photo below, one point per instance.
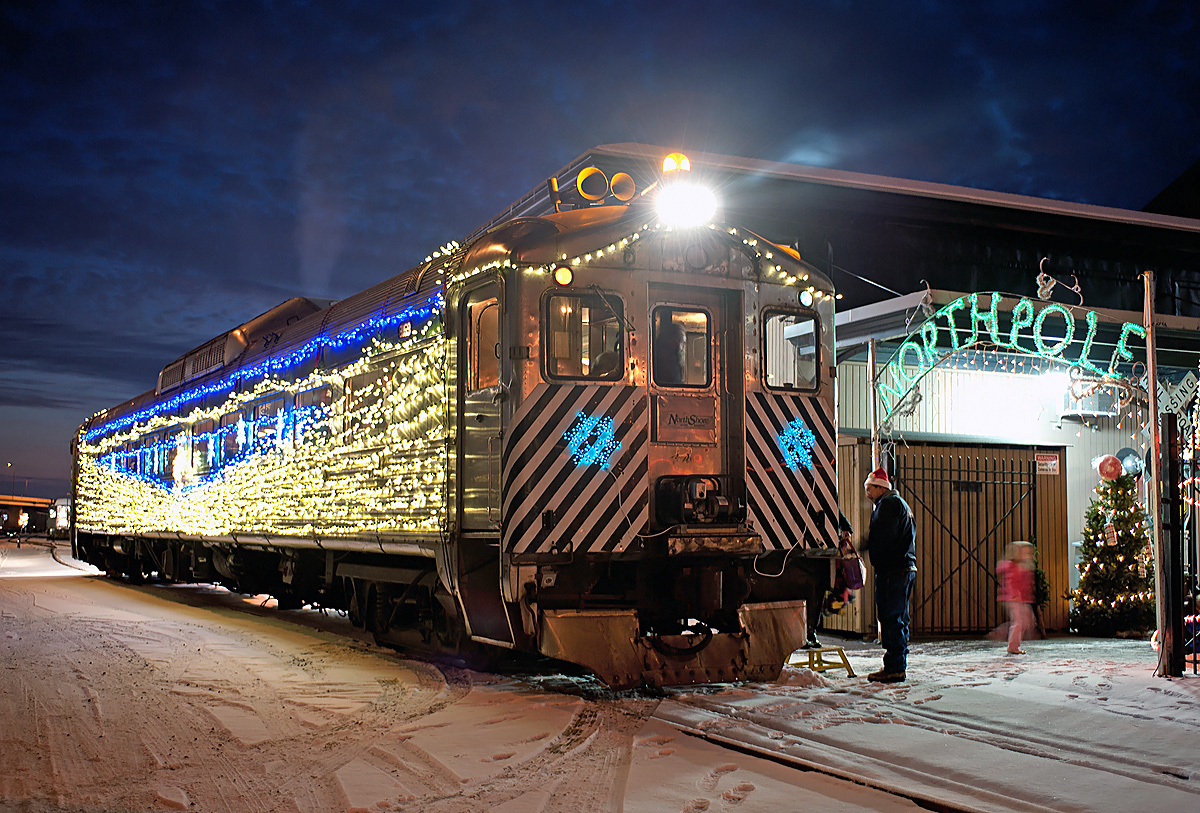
(791, 506)
(549, 499)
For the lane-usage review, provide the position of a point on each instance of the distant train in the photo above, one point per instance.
(60, 519)
(602, 434)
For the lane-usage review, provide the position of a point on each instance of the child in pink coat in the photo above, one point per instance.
(1016, 591)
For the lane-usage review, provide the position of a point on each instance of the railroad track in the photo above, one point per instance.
(926, 746)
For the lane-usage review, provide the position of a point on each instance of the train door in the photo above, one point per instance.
(480, 427)
(479, 410)
(695, 423)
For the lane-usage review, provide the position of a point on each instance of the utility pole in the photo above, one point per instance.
(872, 417)
(1158, 482)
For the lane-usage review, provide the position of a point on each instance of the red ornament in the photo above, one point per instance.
(1110, 467)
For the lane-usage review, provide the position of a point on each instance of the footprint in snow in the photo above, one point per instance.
(659, 739)
(708, 783)
(736, 795)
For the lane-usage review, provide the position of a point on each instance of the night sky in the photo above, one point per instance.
(169, 170)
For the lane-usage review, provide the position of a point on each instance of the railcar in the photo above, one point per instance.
(599, 434)
(60, 519)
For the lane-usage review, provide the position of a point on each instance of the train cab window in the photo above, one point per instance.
(584, 336)
(791, 354)
(233, 436)
(203, 447)
(681, 343)
(483, 357)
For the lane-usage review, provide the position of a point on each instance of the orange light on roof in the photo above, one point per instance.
(676, 161)
(563, 275)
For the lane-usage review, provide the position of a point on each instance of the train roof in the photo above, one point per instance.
(749, 180)
(299, 330)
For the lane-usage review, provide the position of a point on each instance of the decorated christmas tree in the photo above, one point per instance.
(1116, 577)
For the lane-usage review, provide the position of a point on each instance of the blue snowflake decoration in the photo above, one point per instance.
(796, 442)
(590, 440)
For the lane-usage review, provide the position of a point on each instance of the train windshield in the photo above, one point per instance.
(681, 344)
(584, 336)
(791, 353)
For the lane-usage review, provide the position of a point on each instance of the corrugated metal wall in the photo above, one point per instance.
(1018, 408)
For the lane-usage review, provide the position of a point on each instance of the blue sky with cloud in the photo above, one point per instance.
(168, 170)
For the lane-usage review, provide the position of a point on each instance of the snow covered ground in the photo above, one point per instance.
(115, 697)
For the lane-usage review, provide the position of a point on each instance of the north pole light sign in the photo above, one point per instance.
(1045, 330)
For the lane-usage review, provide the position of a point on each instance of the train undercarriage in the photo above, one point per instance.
(660, 621)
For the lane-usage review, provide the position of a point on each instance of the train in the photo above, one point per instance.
(60, 519)
(605, 434)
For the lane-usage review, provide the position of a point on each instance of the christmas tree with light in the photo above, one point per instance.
(1116, 576)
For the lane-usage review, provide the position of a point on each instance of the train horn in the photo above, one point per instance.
(592, 184)
(622, 186)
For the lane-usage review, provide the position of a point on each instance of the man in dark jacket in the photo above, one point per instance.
(892, 547)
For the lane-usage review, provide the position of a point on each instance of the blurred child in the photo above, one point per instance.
(1016, 572)
(848, 575)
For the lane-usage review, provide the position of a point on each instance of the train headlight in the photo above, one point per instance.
(563, 275)
(684, 203)
(674, 161)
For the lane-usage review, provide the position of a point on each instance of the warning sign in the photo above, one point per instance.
(1047, 462)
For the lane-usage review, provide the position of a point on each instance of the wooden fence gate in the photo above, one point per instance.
(968, 503)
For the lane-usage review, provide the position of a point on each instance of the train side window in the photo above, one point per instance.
(311, 406)
(791, 352)
(129, 457)
(146, 457)
(175, 465)
(364, 416)
(203, 447)
(268, 423)
(682, 341)
(484, 354)
(584, 337)
(233, 436)
(158, 457)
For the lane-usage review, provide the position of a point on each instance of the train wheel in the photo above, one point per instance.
(113, 567)
(351, 589)
(380, 610)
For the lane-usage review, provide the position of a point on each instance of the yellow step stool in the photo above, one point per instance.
(817, 661)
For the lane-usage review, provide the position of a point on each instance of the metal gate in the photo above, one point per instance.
(968, 503)
(968, 507)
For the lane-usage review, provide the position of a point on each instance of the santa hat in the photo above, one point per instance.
(879, 477)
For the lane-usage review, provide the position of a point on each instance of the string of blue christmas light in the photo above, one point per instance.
(426, 312)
